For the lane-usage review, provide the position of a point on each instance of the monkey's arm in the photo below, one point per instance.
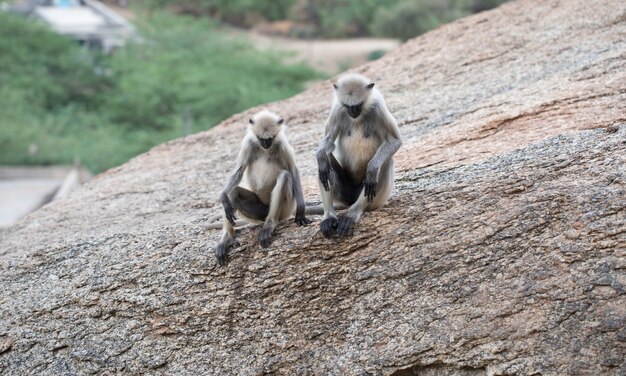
(290, 160)
(323, 163)
(300, 205)
(233, 182)
(327, 145)
(391, 144)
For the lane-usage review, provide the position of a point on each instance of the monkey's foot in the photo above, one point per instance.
(344, 225)
(265, 237)
(221, 252)
(328, 226)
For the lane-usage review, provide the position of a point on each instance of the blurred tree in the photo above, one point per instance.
(342, 18)
(70, 102)
(44, 68)
(409, 18)
(238, 12)
(335, 18)
(186, 64)
(476, 6)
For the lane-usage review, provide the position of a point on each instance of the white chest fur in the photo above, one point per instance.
(355, 149)
(261, 177)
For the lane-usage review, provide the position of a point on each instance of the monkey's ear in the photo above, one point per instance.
(370, 85)
(335, 86)
(281, 121)
(251, 121)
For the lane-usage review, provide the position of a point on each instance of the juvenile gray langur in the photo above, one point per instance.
(271, 188)
(355, 157)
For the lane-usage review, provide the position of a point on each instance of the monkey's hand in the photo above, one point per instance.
(371, 180)
(221, 253)
(328, 227)
(344, 225)
(265, 237)
(324, 172)
(301, 220)
(229, 212)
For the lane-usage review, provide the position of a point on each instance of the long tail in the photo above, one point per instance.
(220, 225)
(215, 222)
(314, 210)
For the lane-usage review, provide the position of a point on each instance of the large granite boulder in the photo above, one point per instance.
(502, 251)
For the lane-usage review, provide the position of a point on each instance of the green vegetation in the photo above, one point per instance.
(375, 55)
(73, 103)
(68, 102)
(401, 19)
(335, 18)
(238, 12)
(409, 18)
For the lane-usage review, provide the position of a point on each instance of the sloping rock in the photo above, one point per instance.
(502, 252)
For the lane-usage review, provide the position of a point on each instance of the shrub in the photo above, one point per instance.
(414, 17)
(43, 68)
(238, 12)
(185, 63)
(375, 55)
(56, 96)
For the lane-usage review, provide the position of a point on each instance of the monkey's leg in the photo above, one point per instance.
(228, 240)
(248, 203)
(346, 190)
(353, 214)
(384, 187)
(329, 223)
(281, 205)
(343, 190)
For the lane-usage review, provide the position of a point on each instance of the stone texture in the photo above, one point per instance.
(502, 252)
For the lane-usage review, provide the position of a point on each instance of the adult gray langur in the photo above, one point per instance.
(271, 188)
(355, 157)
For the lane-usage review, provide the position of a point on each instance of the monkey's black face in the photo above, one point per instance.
(354, 111)
(266, 142)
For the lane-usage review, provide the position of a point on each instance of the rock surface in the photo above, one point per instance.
(502, 252)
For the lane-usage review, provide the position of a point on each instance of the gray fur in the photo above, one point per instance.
(363, 147)
(272, 183)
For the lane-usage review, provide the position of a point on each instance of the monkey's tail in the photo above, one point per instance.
(216, 224)
(215, 218)
(314, 210)
(220, 225)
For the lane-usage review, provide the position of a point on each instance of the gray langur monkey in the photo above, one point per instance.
(271, 188)
(355, 157)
